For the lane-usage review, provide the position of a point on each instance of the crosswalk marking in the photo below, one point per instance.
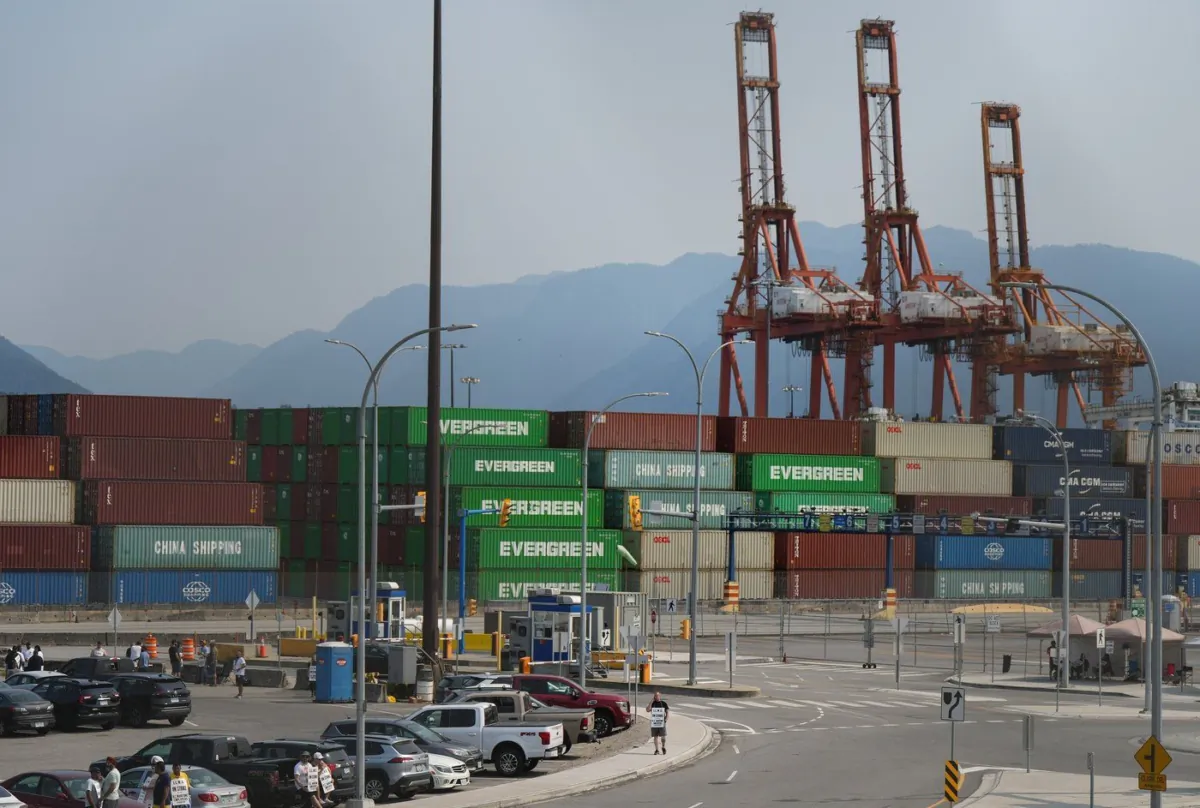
(692, 706)
(845, 704)
(877, 704)
(782, 703)
(760, 705)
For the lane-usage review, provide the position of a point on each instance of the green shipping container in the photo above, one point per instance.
(516, 584)
(339, 425)
(715, 506)
(633, 469)
(531, 507)
(794, 502)
(283, 502)
(840, 474)
(285, 537)
(270, 427)
(294, 584)
(312, 540)
(175, 547)
(472, 465)
(414, 546)
(503, 548)
(406, 465)
(347, 542)
(479, 426)
(283, 426)
(240, 417)
(254, 464)
(299, 464)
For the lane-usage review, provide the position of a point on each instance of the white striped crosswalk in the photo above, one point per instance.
(911, 700)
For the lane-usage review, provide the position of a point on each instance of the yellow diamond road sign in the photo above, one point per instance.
(1153, 757)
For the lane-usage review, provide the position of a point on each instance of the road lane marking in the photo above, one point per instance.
(756, 704)
(693, 706)
(736, 751)
(697, 805)
(729, 779)
(846, 704)
(189, 723)
(782, 703)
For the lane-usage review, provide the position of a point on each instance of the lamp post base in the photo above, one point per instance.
(364, 803)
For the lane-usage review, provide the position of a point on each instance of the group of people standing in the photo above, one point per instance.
(23, 658)
(314, 779)
(104, 787)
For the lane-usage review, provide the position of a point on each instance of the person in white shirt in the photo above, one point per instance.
(135, 652)
(110, 786)
(239, 672)
(99, 651)
(92, 795)
(26, 652)
(304, 781)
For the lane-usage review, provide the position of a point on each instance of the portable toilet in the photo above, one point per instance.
(335, 672)
(1171, 613)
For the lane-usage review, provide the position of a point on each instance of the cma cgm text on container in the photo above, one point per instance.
(1033, 445)
(1086, 481)
(1097, 508)
(634, 469)
(775, 472)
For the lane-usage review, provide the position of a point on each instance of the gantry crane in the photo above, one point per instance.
(776, 293)
(937, 311)
(1059, 337)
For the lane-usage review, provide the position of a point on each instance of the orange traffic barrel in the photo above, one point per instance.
(152, 646)
(188, 652)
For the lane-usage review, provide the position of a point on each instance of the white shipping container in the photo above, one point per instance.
(923, 475)
(672, 549)
(920, 439)
(1191, 548)
(44, 502)
(1179, 448)
(752, 585)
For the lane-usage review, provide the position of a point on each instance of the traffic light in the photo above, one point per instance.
(505, 508)
(472, 607)
(685, 629)
(635, 512)
(419, 500)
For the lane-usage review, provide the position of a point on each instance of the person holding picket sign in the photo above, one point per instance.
(659, 711)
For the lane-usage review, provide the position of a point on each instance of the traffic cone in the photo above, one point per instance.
(262, 647)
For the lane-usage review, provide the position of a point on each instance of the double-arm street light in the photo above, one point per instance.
(361, 655)
(792, 390)
(583, 556)
(469, 381)
(452, 349)
(1154, 518)
(700, 370)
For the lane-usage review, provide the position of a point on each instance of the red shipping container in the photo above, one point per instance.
(270, 503)
(1179, 482)
(1170, 550)
(315, 465)
(216, 461)
(269, 470)
(633, 430)
(29, 457)
(329, 541)
(1091, 554)
(839, 584)
(142, 417)
(283, 462)
(254, 427)
(45, 547)
(965, 506)
(1183, 516)
(299, 436)
(315, 420)
(130, 502)
(328, 463)
(391, 545)
(404, 495)
(327, 503)
(788, 436)
(794, 551)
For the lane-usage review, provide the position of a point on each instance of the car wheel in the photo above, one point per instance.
(566, 745)
(177, 721)
(137, 717)
(530, 765)
(43, 731)
(108, 725)
(604, 725)
(508, 759)
(375, 787)
(404, 796)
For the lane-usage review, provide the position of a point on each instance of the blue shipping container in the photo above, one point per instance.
(210, 587)
(1090, 585)
(982, 553)
(1139, 578)
(1089, 481)
(45, 411)
(1096, 508)
(42, 588)
(1032, 444)
(1189, 582)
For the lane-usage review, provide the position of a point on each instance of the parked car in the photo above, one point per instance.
(429, 741)
(612, 709)
(448, 773)
(341, 765)
(511, 747)
(393, 766)
(81, 702)
(517, 705)
(30, 678)
(149, 696)
(470, 681)
(97, 667)
(56, 788)
(8, 800)
(208, 788)
(22, 710)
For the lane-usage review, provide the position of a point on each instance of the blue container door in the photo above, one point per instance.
(29, 588)
(45, 412)
(214, 587)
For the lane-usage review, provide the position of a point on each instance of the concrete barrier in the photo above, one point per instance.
(297, 647)
(266, 677)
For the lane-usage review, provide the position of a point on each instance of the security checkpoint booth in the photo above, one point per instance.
(551, 628)
(389, 615)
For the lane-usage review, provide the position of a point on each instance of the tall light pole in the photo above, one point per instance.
(452, 349)
(699, 370)
(791, 390)
(583, 555)
(375, 484)
(1154, 518)
(469, 381)
(360, 695)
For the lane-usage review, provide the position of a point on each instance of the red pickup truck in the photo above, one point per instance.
(612, 709)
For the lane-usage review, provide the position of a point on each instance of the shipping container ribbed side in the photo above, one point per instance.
(338, 465)
(1169, 546)
(130, 502)
(837, 551)
(920, 475)
(1182, 516)
(923, 439)
(89, 458)
(1138, 579)
(406, 465)
(254, 427)
(788, 435)
(1187, 554)
(504, 548)
(1179, 448)
(124, 547)
(1090, 585)
(37, 502)
(530, 507)
(672, 549)
(1024, 585)
(1091, 554)
(982, 553)
(840, 584)
(775, 472)
(1187, 582)
(45, 547)
(142, 417)
(29, 457)
(182, 587)
(516, 584)
(676, 584)
(714, 507)
(505, 465)
(4, 415)
(479, 426)
(935, 505)
(20, 588)
(1179, 482)
(1088, 481)
(1032, 445)
(1097, 508)
(634, 469)
(797, 502)
(633, 430)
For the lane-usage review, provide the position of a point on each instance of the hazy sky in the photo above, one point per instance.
(175, 171)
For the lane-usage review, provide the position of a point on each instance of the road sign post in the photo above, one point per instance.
(992, 629)
(954, 710)
(1091, 780)
(1154, 759)
(731, 649)
(252, 604)
(1101, 645)
(1028, 740)
(900, 624)
(114, 620)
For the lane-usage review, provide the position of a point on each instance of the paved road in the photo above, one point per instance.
(836, 734)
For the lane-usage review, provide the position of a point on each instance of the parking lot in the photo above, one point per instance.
(261, 715)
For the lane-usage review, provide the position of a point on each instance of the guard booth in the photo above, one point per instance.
(389, 617)
(555, 623)
(623, 615)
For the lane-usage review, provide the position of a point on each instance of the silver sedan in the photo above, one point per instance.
(209, 789)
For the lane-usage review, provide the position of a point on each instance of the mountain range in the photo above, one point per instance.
(574, 339)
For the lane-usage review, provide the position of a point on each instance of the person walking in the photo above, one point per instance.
(659, 712)
(10, 661)
(176, 656)
(36, 661)
(307, 781)
(324, 779)
(110, 786)
(135, 652)
(91, 795)
(162, 787)
(210, 665)
(312, 677)
(239, 672)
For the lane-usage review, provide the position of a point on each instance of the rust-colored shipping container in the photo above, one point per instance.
(142, 417)
(1183, 516)
(841, 551)
(295, 548)
(315, 465)
(329, 541)
(269, 470)
(316, 418)
(270, 503)
(633, 430)
(216, 461)
(29, 457)
(299, 435)
(1092, 554)
(788, 436)
(933, 505)
(254, 427)
(1179, 482)
(282, 461)
(45, 547)
(1169, 553)
(839, 584)
(137, 502)
(391, 545)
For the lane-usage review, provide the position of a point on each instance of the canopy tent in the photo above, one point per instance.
(1134, 629)
(1079, 626)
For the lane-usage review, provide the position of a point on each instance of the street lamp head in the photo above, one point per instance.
(453, 347)
(654, 333)
(457, 327)
(335, 342)
(652, 395)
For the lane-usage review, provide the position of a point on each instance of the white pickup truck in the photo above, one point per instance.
(512, 747)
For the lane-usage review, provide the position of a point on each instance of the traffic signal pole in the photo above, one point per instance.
(463, 515)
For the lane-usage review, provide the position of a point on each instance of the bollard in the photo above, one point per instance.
(644, 673)
(448, 645)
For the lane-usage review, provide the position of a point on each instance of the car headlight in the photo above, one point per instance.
(442, 769)
(623, 706)
(20, 709)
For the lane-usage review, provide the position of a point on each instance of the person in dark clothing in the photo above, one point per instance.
(176, 658)
(162, 787)
(659, 712)
(36, 662)
(10, 662)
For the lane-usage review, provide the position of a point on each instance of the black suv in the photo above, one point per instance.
(341, 765)
(20, 709)
(147, 696)
(427, 740)
(78, 702)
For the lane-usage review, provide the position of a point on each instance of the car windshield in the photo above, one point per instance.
(18, 696)
(424, 733)
(5, 793)
(77, 786)
(97, 689)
